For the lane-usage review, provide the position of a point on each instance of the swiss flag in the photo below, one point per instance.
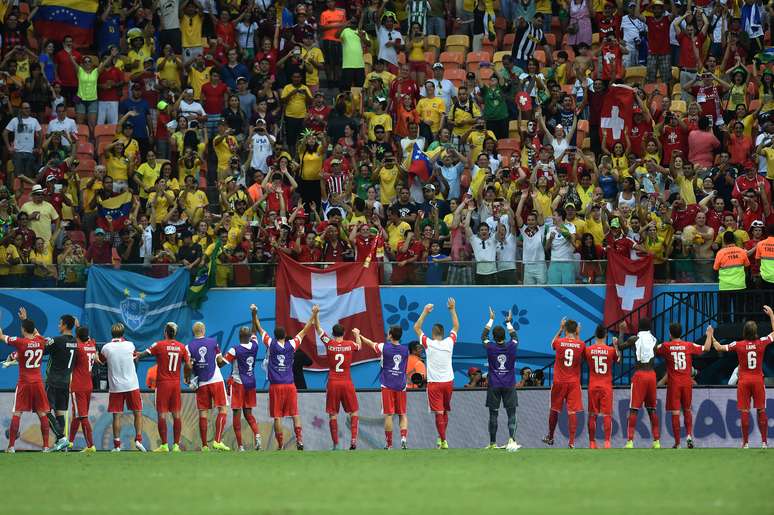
(629, 286)
(616, 113)
(347, 293)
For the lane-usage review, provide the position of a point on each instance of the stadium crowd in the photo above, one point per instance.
(457, 142)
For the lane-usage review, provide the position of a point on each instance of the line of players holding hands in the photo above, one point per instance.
(71, 358)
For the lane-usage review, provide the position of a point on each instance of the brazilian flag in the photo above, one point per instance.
(205, 278)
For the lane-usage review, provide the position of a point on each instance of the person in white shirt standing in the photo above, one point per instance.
(561, 241)
(261, 147)
(444, 88)
(533, 236)
(484, 252)
(64, 124)
(440, 374)
(124, 387)
(26, 142)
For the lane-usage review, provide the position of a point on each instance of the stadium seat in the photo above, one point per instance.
(551, 39)
(472, 67)
(508, 41)
(456, 75)
(651, 87)
(476, 57)
(485, 73)
(490, 47)
(85, 150)
(105, 130)
(508, 145)
(497, 58)
(434, 42)
(452, 59)
(457, 43)
(540, 55)
(86, 165)
(635, 74)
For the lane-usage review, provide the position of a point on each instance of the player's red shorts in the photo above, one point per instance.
(81, 402)
(31, 397)
(643, 389)
(393, 403)
(283, 400)
(439, 396)
(747, 389)
(340, 394)
(242, 397)
(569, 392)
(679, 397)
(168, 397)
(209, 394)
(601, 401)
(116, 401)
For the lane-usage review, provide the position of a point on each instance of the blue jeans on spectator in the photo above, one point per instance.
(25, 163)
(436, 25)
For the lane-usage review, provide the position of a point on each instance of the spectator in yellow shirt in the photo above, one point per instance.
(226, 146)
(431, 108)
(168, 67)
(295, 96)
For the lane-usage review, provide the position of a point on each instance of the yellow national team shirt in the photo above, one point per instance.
(430, 111)
(384, 119)
(196, 79)
(224, 149)
(164, 202)
(395, 233)
(168, 71)
(148, 175)
(315, 57)
(295, 106)
(388, 177)
(23, 68)
(191, 30)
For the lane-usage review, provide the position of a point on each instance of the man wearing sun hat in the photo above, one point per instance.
(444, 88)
(42, 214)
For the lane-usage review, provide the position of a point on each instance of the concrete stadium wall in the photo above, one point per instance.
(716, 422)
(537, 312)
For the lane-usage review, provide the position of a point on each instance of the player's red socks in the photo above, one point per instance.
(253, 424)
(676, 428)
(203, 430)
(403, 434)
(553, 418)
(177, 429)
(220, 426)
(13, 430)
(236, 424)
(445, 423)
(388, 438)
(763, 425)
(87, 433)
(280, 439)
(607, 422)
(334, 425)
(44, 430)
(74, 423)
(654, 424)
(688, 416)
(572, 426)
(116, 443)
(440, 426)
(353, 427)
(162, 423)
(592, 427)
(299, 434)
(630, 426)
(745, 418)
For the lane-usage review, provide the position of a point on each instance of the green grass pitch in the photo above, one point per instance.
(419, 482)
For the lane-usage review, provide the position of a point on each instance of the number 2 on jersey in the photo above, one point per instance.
(33, 358)
(339, 359)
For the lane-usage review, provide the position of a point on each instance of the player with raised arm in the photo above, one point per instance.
(501, 356)
(566, 388)
(600, 358)
(394, 359)
(643, 389)
(283, 397)
(340, 390)
(208, 383)
(749, 350)
(61, 353)
(81, 387)
(124, 388)
(679, 363)
(243, 358)
(440, 373)
(169, 354)
(30, 394)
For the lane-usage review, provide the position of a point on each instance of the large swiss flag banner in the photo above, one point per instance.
(616, 113)
(347, 293)
(629, 286)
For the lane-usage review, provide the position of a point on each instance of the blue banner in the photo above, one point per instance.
(143, 304)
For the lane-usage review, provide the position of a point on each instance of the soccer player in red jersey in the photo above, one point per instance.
(600, 357)
(566, 388)
(30, 392)
(679, 363)
(169, 354)
(749, 351)
(340, 391)
(81, 386)
(643, 389)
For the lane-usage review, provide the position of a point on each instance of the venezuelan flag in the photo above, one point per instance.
(56, 19)
(114, 211)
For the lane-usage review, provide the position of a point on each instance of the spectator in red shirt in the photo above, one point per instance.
(66, 72)
(214, 95)
(110, 85)
(100, 251)
(691, 47)
(739, 145)
(750, 181)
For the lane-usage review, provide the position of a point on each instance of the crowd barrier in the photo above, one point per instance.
(716, 422)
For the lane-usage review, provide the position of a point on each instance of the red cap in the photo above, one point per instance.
(473, 370)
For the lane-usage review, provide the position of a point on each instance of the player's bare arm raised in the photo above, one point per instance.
(452, 305)
(421, 320)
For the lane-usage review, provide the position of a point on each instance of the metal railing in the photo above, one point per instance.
(449, 273)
